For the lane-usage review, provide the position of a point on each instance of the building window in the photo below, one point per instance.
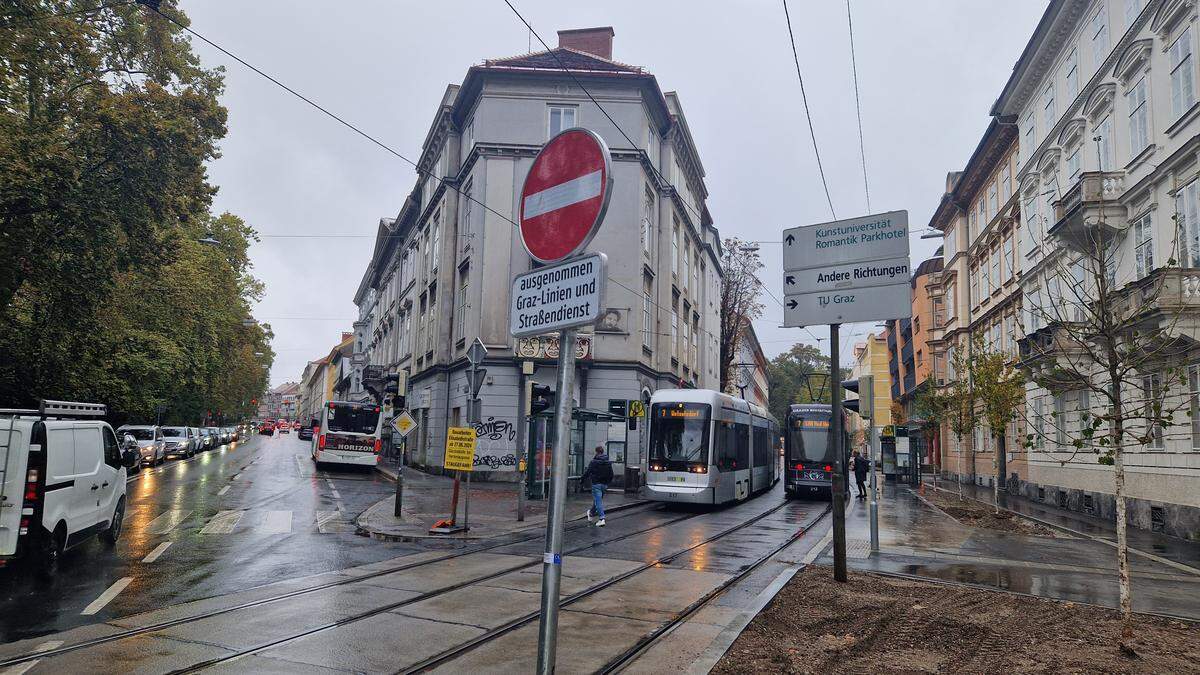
(460, 308)
(992, 205)
(431, 329)
(1139, 118)
(468, 205)
(1083, 407)
(1072, 76)
(995, 271)
(687, 261)
(1194, 400)
(974, 286)
(1028, 145)
(647, 312)
(1104, 131)
(561, 117)
(983, 218)
(687, 339)
(647, 219)
(674, 333)
(1073, 168)
(1049, 113)
(435, 247)
(1010, 331)
(1143, 245)
(985, 286)
(695, 356)
(1005, 183)
(1183, 81)
(1008, 257)
(1152, 390)
(1187, 206)
(1034, 310)
(1099, 32)
(972, 227)
(1060, 420)
(951, 292)
(696, 276)
(675, 246)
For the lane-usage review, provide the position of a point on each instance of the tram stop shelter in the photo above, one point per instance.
(589, 428)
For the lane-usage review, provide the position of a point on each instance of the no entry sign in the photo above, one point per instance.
(565, 195)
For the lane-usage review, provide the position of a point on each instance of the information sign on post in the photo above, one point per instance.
(403, 423)
(563, 202)
(460, 449)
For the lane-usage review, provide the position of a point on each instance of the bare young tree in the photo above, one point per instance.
(740, 264)
(1103, 332)
(961, 403)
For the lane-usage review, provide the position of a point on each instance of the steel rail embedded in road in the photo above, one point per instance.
(142, 630)
(495, 633)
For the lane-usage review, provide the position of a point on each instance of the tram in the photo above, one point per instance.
(808, 449)
(709, 448)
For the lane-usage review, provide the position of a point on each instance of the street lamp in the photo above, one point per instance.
(208, 240)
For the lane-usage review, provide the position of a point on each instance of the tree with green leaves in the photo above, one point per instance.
(1000, 392)
(961, 403)
(799, 375)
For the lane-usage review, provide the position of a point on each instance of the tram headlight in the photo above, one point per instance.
(698, 468)
(657, 467)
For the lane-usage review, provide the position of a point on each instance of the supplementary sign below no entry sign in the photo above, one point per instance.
(558, 296)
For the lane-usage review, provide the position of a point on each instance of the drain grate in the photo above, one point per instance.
(858, 548)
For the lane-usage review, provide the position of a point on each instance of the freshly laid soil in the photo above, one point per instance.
(881, 624)
(976, 514)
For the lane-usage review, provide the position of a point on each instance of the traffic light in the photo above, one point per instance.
(391, 383)
(865, 388)
(541, 397)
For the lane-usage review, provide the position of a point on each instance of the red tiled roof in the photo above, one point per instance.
(560, 57)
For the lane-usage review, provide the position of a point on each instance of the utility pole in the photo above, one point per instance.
(839, 461)
(523, 433)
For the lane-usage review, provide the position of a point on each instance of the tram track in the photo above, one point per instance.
(181, 621)
(643, 644)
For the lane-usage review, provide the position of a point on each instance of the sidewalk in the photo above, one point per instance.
(1172, 548)
(919, 539)
(493, 508)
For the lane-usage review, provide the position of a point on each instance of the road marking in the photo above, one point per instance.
(336, 494)
(333, 522)
(223, 490)
(158, 550)
(107, 596)
(234, 476)
(47, 646)
(223, 522)
(22, 668)
(276, 522)
(167, 521)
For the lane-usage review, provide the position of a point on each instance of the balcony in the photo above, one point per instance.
(1052, 356)
(1090, 212)
(1167, 301)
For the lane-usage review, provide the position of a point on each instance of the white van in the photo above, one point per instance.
(62, 481)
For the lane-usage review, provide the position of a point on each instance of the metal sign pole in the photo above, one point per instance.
(873, 449)
(522, 437)
(839, 462)
(552, 559)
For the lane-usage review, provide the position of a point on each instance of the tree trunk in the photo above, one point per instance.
(1122, 522)
(996, 471)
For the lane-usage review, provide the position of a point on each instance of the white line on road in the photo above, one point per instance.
(234, 476)
(223, 490)
(158, 550)
(168, 521)
(336, 494)
(276, 522)
(107, 596)
(47, 646)
(22, 668)
(223, 522)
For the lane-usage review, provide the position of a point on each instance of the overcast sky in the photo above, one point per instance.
(928, 73)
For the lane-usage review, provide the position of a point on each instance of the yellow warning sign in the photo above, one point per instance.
(460, 449)
(637, 408)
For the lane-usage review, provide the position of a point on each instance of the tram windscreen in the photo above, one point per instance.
(679, 433)
(810, 439)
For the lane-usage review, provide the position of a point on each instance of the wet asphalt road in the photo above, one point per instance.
(228, 519)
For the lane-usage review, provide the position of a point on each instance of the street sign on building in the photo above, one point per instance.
(565, 195)
(403, 423)
(460, 449)
(560, 296)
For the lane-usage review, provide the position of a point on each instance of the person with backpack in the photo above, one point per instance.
(600, 472)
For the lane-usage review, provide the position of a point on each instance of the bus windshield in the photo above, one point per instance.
(810, 439)
(679, 432)
(350, 418)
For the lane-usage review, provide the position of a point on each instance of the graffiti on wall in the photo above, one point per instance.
(495, 445)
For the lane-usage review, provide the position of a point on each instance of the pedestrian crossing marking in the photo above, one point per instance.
(223, 522)
(167, 521)
(333, 522)
(276, 522)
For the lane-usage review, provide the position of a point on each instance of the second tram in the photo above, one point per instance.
(808, 449)
(709, 448)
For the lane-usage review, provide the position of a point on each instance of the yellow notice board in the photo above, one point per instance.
(460, 448)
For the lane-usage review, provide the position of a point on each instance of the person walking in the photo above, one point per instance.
(600, 472)
(861, 466)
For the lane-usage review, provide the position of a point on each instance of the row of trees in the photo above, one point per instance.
(107, 294)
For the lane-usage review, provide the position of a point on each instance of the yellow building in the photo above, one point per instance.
(871, 358)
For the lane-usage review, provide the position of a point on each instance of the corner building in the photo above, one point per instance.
(440, 274)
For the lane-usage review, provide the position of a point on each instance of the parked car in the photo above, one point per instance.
(66, 468)
(151, 445)
(236, 431)
(233, 434)
(215, 434)
(305, 433)
(284, 427)
(267, 428)
(179, 441)
(203, 442)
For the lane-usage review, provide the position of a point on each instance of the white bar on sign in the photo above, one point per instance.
(848, 306)
(563, 195)
(874, 237)
(850, 275)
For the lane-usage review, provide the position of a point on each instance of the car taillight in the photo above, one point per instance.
(378, 445)
(321, 442)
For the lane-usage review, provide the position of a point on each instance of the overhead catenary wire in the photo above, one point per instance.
(397, 154)
(807, 112)
(862, 148)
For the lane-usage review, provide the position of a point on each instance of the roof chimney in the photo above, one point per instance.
(594, 41)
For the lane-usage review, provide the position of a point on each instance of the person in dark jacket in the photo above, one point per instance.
(861, 466)
(600, 472)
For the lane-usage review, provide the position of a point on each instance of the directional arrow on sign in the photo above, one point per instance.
(791, 303)
(789, 280)
(790, 239)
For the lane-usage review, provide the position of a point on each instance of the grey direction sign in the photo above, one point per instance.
(876, 303)
(850, 275)
(563, 295)
(883, 235)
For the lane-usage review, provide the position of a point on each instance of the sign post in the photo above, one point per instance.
(846, 271)
(563, 202)
(402, 425)
(475, 355)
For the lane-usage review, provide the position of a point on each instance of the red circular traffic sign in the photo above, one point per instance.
(565, 195)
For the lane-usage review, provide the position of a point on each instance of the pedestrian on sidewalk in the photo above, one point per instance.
(599, 472)
(861, 467)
